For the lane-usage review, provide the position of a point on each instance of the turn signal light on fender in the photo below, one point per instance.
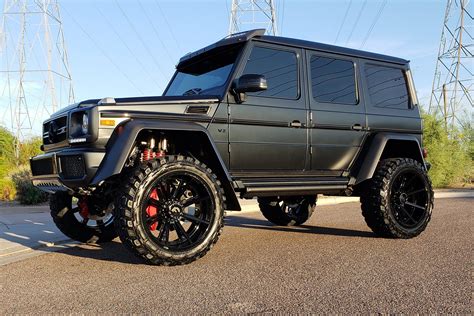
(107, 122)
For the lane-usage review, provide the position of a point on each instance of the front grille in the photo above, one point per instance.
(72, 167)
(42, 166)
(55, 131)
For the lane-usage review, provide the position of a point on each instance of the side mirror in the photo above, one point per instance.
(248, 83)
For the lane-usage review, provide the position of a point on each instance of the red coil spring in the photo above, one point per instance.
(150, 154)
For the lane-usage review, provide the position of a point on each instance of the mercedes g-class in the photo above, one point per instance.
(277, 119)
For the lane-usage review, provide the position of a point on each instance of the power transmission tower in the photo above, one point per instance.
(454, 75)
(35, 78)
(248, 14)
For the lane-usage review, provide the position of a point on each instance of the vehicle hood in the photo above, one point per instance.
(131, 105)
(177, 108)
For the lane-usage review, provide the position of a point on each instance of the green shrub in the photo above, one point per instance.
(28, 149)
(26, 192)
(449, 155)
(7, 190)
(7, 156)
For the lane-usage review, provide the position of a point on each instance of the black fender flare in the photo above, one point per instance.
(123, 139)
(376, 149)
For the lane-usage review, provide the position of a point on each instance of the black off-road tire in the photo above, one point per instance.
(132, 228)
(64, 217)
(379, 199)
(275, 211)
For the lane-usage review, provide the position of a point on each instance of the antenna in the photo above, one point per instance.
(35, 79)
(253, 14)
(454, 75)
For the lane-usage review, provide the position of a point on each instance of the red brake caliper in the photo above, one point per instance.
(83, 208)
(152, 210)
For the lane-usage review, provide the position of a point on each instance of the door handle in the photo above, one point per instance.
(296, 123)
(357, 127)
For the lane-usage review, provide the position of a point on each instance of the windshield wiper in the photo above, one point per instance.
(192, 91)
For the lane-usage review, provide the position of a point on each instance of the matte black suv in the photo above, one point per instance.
(260, 116)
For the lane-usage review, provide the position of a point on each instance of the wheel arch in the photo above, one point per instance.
(195, 136)
(387, 145)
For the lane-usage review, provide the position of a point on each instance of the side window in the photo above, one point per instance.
(387, 87)
(333, 80)
(280, 68)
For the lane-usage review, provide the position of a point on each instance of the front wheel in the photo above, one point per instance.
(398, 200)
(289, 211)
(171, 211)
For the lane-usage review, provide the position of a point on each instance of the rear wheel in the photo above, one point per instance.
(287, 211)
(171, 211)
(398, 200)
(81, 222)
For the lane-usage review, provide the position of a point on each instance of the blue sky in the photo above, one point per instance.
(108, 58)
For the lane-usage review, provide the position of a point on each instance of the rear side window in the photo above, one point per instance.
(333, 80)
(387, 87)
(279, 68)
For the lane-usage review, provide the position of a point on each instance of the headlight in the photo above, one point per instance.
(85, 124)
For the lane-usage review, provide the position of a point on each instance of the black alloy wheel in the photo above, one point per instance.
(398, 200)
(171, 210)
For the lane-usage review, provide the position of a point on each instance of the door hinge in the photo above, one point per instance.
(229, 148)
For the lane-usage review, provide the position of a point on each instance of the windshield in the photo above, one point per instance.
(205, 76)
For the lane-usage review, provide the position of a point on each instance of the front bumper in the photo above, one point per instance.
(65, 170)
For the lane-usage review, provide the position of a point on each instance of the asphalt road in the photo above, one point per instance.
(332, 264)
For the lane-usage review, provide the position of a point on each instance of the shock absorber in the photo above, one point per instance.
(149, 152)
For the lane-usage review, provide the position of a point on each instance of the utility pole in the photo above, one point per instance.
(250, 14)
(35, 79)
(454, 75)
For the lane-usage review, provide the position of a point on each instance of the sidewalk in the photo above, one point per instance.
(27, 231)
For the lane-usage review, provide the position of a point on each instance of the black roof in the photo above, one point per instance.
(258, 34)
(330, 48)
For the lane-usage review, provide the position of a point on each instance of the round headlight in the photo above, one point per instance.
(85, 124)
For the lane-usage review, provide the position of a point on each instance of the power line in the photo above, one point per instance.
(356, 21)
(372, 26)
(282, 16)
(169, 26)
(145, 69)
(140, 38)
(103, 52)
(156, 32)
(343, 21)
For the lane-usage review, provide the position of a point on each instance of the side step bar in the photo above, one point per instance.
(285, 187)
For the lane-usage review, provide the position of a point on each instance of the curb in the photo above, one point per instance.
(36, 250)
(248, 207)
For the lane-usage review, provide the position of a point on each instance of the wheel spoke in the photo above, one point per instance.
(163, 190)
(194, 219)
(100, 223)
(154, 202)
(152, 219)
(164, 233)
(415, 205)
(194, 200)
(181, 232)
(408, 214)
(178, 190)
(161, 225)
(409, 181)
(416, 191)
